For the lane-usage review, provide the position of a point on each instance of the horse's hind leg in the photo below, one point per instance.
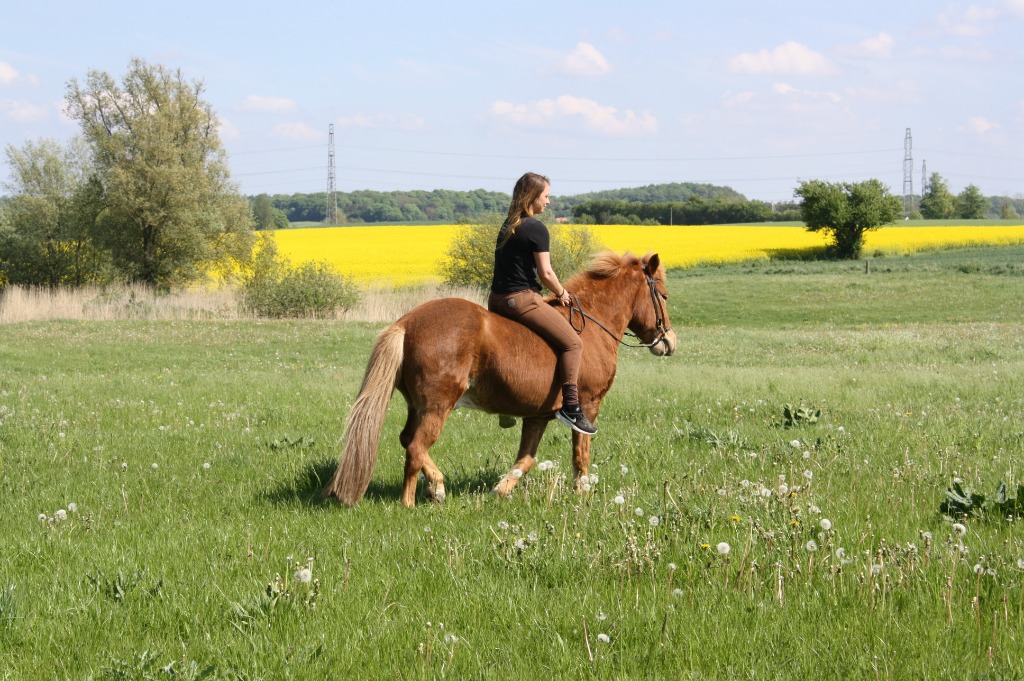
(533, 429)
(419, 435)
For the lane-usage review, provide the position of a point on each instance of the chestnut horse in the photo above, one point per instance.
(453, 353)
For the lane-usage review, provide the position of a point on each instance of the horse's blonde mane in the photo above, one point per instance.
(609, 263)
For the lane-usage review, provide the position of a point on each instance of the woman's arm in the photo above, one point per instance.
(548, 277)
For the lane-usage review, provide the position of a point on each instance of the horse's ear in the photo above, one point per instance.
(653, 262)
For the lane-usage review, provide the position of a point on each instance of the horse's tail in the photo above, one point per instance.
(366, 419)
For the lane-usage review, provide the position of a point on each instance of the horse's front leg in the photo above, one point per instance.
(533, 430)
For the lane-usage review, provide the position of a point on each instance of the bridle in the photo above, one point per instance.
(657, 300)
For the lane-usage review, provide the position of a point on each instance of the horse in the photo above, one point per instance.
(451, 353)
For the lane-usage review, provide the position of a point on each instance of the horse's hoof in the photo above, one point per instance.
(437, 494)
(506, 421)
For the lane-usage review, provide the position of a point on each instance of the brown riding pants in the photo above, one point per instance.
(529, 309)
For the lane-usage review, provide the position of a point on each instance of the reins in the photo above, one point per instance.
(576, 309)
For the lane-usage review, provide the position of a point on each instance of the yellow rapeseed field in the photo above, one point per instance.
(404, 255)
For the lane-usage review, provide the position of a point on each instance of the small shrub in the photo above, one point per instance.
(312, 290)
(469, 260)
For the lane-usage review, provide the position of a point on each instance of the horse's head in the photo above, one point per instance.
(650, 320)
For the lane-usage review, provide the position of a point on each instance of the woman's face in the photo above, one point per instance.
(541, 202)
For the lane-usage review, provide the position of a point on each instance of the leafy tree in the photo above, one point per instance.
(170, 211)
(970, 204)
(266, 215)
(937, 202)
(469, 260)
(50, 217)
(846, 211)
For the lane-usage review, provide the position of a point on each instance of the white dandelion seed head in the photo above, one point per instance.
(516, 473)
(826, 524)
(639, 512)
(594, 479)
(502, 525)
(677, 593)
(795, 444)
(807, 454)
(812, 508)
(72, 507)
(426, 529)
(603, 638)
(585, 480)
(304, 575)
(812, 546)
(619, 499)
(42, 518)
(959, 529)
(546, 465)
(782, 477)
(978, 569)
(653, 521)
(672, 567)
(744, 483)
(624, 469)
(841, 430)
(876, 569)
(990, 572)
(520, 544)
(809, 474)
(724, 548)
(722, 492)
(451, 639)
(155, 465)
(1020, 563)
(840, 553)
(783, 489)
(60, 515)
(585, 487)
(206, 466)
(601, 617)
(927, 536)
(532, 536)
(124, 465)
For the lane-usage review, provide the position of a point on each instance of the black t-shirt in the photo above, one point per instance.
(514, 266)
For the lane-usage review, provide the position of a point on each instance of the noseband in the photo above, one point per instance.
(659, 317)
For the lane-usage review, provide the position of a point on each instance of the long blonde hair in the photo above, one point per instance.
(527, 189)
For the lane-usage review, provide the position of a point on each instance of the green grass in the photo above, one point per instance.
(917, 369)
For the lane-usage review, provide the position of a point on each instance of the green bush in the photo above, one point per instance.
(469, 260)
(312, 290)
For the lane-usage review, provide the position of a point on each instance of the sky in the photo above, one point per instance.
(596, 95)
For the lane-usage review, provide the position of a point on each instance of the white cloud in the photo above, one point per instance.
(585, 60)
(878, 46)
(605, 120)
(8, 74)
(788, 59)
(228, 130)
(971, 22)
(21, 111)
(805, 98)
(268, 104)
(382, 121)
(298, 131)
(982, 125)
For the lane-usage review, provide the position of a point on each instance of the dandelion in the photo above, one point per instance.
(520, 545)
(812, 508)
(426, 529)
(736, 519)
(545, 465)
(206, 466)
(516, 473)
(585, 487)
(502, 525)
(619, 499)
(978, 569)
(677, 593)
(451, 639)
(124, 465)
(42, 518)
(72, 507)
(532, 536)
(639, 512)
(826, 524)
(783, 489)
(795, 444)
(155, 466)
(593, 478)
(807, 454)
(603, 638)
(841, 430)
(1020, 563)
(744, 483)
(624, 470)
(672, 567)
(876, 569)
(653, 521)
(808, 474)
(724, 548)
(60, 516)
(585, 480)
(601, 617)
(840, 553)
(812, 546)
(959, 529)
(927, 537)
(304, 575)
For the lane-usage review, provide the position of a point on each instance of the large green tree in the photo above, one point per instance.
(971, 204)
(937, 202)
(846, 211)
(45, 238)
(170, 212)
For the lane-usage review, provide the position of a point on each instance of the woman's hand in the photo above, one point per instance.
(565, 299)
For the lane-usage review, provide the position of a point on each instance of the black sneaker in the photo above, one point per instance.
(573, 416)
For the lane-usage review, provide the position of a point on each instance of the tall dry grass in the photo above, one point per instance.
(378, 303)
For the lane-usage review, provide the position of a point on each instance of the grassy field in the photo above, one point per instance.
(718, 540)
